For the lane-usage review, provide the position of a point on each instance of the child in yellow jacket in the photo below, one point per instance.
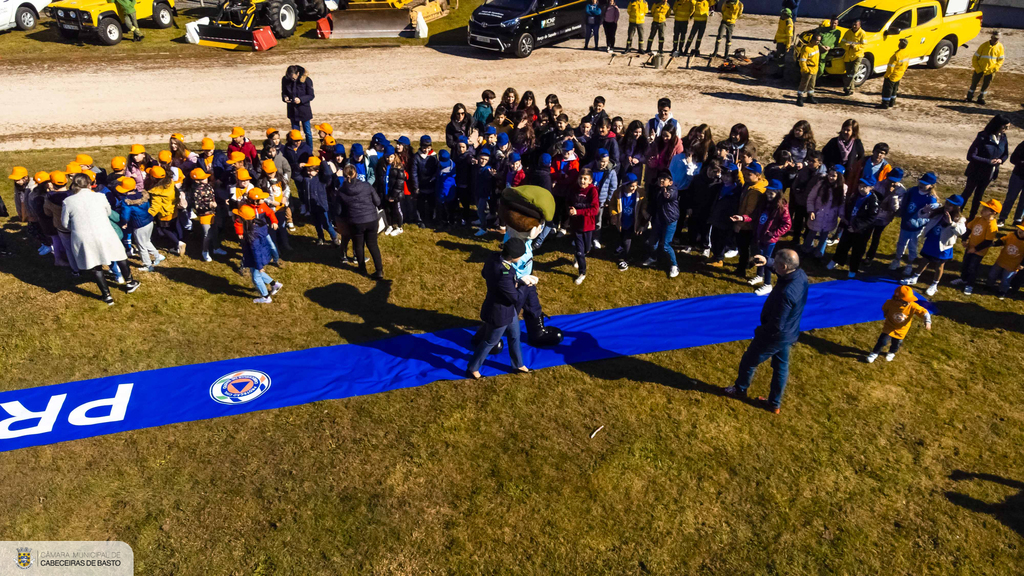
(683, 10)
(731, 11)
(637, 11)
(659, 12)
(899, 312)
(893, 74)
(986, 62)
(807, 58)
(784, 33)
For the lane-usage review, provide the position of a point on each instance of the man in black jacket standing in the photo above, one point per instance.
(779, 329)
(500, 311)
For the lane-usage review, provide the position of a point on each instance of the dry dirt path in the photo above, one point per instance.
(411, 90)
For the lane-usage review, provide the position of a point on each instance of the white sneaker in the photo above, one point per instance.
(220, 252)
(480, 232)
(276, 288)
(388, 230)
(597, 245)
(561, 233)
(890, 356)
(686, 249)
(264, 300)
(159, 258)
(732, 253)
(181, 248)
(609, 50)
(894, 265)
(706, 253)
(291, 226)
(957, 282)
(909, 281)
(831, 265)
(575, 263)
(908, 270)
(831, 242)
(870, 358)
(120, 280)
(579, 279)
(968, 290)
(673, 272)
(756, 280)
(206, 257)
(397, 231)
(932, 289)
(764, 290)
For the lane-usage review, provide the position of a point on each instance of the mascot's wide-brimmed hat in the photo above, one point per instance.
(531, 202)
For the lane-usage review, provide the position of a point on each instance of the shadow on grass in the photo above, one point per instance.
(1010, 512)
(829, 348)
(381, 318)
(1016, 118)
(977, 316)
(739, 97)
(203, 280)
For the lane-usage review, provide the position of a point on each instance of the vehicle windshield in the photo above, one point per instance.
(515, 5)
(871, 19)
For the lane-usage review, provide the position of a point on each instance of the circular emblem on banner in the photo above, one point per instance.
(764, 218)
(240, 387)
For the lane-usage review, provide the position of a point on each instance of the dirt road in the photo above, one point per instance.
(411, 90)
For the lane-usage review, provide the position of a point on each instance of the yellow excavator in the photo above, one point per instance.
(258, 24)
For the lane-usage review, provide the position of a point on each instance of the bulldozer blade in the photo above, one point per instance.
(225, 37)
(390, 23)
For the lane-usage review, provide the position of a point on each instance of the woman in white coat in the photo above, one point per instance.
(93, 241)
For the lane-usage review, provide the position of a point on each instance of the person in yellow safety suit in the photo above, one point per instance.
(986, 62)
(898, 65)
(807, 58)
(683, 10)
(853, 43)
(637, 11)
(701, 9)
(784, 33)
(731, 11)
(659, 11)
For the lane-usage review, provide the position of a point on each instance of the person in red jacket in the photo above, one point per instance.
(583, 205)
(239, 143)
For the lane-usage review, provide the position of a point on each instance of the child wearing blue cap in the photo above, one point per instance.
(446, 191)
(628, 214)
(940, 236)
(772, 224)
(483, 187)
(422, 172)
(918, 204)
(890, 193)
(855, 223)
(514, 175)
(727, 193)
(607, 181)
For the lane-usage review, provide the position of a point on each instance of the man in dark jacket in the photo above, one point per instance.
(500, 311)
(421, 181)
(297, 93)
(779, 329)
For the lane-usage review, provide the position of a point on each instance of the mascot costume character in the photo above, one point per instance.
(524, 210)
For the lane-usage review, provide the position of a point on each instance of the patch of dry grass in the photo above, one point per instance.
(500, 476)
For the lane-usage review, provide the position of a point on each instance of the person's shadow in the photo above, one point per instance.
(976, 315)
(1010, 511)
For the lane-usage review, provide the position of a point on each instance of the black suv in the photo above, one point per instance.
(520, 26)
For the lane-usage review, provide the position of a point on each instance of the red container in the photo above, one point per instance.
(263, 39)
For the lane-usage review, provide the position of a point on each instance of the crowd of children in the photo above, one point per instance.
(649, 190)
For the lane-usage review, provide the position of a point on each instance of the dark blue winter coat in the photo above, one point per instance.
(422, 173)
(301, 88)
(780, 316)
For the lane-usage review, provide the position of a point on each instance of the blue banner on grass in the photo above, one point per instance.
(51, 414)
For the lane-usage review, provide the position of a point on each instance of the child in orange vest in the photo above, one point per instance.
(899, 311)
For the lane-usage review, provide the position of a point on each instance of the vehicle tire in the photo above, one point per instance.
(162, 16)
(525, 44)
(941, 54)
(25, 18)
(283, 17)
(109, 31)
(68, 34)
(863, 72)
(315, 9)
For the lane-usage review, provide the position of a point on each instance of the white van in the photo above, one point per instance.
(23, 14)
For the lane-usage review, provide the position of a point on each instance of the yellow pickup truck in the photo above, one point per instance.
(934, 28)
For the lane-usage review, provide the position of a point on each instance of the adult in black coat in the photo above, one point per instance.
(359, 205)
(779, 329)
(297, 93)
(988, 151)
(500, 311)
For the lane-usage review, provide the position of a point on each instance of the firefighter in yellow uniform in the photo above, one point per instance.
(853, 44)
(784, 33)
(893, 74)
(659, 12)
(637, 11)
(807, 58)
(701, 9)
(683, 10)
(731, 11)
(986, 62)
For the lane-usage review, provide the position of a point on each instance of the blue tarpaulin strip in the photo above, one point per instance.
(51, 414)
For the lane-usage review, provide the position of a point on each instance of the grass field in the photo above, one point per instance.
(44, 44)
(860, 474)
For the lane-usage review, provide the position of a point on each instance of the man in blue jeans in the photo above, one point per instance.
(664, 209)
(779, 329)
